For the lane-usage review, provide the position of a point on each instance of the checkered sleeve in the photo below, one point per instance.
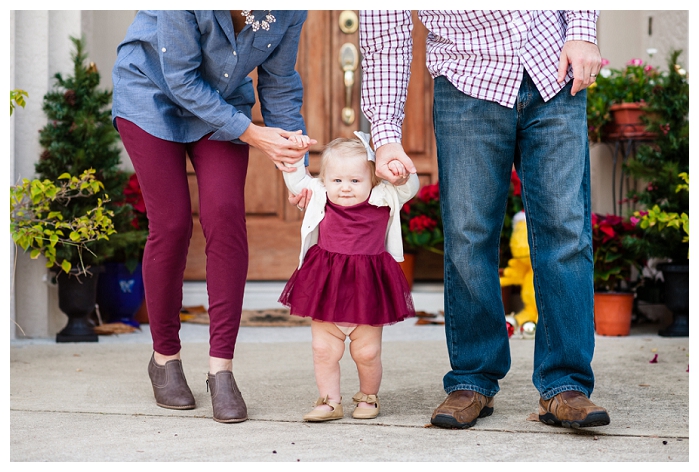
(385, 42)
(581, 25)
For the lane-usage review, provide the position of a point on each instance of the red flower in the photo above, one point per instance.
(134, 197)
(517, 183)
(422, 223)
(429, 193)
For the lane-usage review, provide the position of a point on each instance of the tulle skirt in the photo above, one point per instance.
(349, 289)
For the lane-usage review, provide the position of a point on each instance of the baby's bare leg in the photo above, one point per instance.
(328, 347)
(365, 348)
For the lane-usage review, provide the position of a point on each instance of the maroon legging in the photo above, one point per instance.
(220, 169)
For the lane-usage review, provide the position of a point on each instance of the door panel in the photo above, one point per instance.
(273, 224)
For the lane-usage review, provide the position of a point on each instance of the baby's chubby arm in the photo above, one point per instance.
(299, 179)
(409, 189)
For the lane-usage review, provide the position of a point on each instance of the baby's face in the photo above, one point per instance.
(347, 180)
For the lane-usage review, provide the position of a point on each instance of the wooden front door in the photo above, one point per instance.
(331, 96)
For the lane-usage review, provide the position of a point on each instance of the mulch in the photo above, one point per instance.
(425, 318)
(249, 318)
(279, 317)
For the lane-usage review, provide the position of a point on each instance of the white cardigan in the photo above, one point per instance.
(384, 194)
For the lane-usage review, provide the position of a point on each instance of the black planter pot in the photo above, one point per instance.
(676, 298)
(77, 298)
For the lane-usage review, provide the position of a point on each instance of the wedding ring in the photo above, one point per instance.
(300, 209)
(593, 75)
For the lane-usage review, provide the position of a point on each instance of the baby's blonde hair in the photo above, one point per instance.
(347, 148)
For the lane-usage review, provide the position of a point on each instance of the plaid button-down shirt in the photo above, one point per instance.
(482, 53)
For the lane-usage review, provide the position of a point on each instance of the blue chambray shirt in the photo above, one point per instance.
(180, 75)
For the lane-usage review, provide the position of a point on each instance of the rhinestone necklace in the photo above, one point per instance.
(257, 24)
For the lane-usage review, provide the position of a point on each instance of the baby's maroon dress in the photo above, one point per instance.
(349, 277)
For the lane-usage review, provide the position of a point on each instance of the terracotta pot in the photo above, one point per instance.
(613, 312)
(626, 121)
(408, 267)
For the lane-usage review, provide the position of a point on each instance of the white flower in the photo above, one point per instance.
(605, 72)
(651, 51)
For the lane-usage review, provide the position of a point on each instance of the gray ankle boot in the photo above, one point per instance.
(227, 401)
(169, 385)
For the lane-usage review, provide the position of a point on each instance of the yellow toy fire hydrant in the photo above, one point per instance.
(519, 271)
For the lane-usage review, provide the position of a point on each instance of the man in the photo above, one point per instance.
(508, 89)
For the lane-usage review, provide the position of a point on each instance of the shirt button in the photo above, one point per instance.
(269, 45)
(225, 75)
(235, 53)
(164, 49)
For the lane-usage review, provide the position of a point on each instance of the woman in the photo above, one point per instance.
(181, 87)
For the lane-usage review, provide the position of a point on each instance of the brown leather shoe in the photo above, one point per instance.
(228, 403)
(169, 385)
(461, 409)
(572, 410)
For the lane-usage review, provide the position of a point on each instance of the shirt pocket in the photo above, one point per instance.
(262, 46)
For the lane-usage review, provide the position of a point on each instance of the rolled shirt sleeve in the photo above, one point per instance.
(581, 25)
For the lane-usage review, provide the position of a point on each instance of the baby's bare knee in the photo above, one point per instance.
(365, 353)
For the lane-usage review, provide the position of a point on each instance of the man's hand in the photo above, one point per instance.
(394, 172)
(586, 61)
(279, 145)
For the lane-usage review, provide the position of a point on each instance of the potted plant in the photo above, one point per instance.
(663, 168)
(668, 227)
(617, 99)
(421, 224)
(78, 136)
(614, 257)
(120, 290)
(38, 225)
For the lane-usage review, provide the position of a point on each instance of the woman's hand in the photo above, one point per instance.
(283, 147)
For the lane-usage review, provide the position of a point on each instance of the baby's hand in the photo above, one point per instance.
(301, 140)
(397, 168)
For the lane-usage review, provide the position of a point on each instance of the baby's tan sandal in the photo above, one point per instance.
(322, 415)
(365, 413)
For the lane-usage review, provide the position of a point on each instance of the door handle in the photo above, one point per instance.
(349, 62)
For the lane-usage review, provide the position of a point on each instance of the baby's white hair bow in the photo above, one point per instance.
(365, 138)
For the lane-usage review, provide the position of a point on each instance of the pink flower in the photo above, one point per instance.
(605, 62)
(635, 62)
(648, 68)
(634, 220)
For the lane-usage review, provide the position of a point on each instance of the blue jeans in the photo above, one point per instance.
(477, 143)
